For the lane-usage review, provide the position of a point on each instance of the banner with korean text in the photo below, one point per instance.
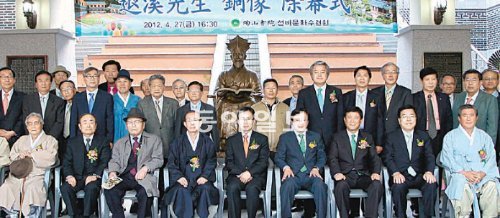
(160, 17)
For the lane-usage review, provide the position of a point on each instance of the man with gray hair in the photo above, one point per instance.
(324, 103)
(179, 88)
(160, 112)
(393, 96)
(95, 101)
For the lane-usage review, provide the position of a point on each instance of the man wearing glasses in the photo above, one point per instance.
(134, 159)
(11, 121)
(486, 104)
(207, 113)
(97, 102)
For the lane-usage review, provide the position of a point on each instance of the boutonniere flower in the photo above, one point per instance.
(483, 155)
(363, 144)
(92, 155)
(254, 145)
(137, 151)
(420, 143)
(372, 103)
(312, 144)
(194, 163)
(333, 97)
(39, 147)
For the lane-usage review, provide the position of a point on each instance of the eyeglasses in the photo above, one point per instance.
(471, 80)
(6, 77)
(134, 122)
(193, 120)
(35, 123)
(91, 76)
(408, 117)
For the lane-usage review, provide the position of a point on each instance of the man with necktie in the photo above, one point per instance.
(354, 163)
(134, 159)
(393, 96)
(301, 157)
(82, 167)
(247, 154)
(323, 102)
(409, 159)
(95, 101)
(11, 115)
(433, 109)
(48, 105)
(486, 104)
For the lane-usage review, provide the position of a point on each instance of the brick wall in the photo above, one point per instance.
(478, 18)
(493, 15)
(7, 14)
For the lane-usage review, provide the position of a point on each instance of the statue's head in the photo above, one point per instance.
(238, 47)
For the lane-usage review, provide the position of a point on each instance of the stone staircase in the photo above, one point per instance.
(190, 57)
(187, 57)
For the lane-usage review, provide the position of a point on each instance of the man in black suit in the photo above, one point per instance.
(370, 104)
(97, 102)
(83, 164)
(247, 154)
(410, 162)
(207, 113)
(354, 163)
(323, 102)
(433, 109)
(301, 156)
(48, 105)
(393, 96)
(295, 84)
(111, 69)
(11, 119)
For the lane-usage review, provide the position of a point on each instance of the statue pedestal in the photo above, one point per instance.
(415, 40)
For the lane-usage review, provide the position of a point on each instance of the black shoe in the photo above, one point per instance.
(133, 208)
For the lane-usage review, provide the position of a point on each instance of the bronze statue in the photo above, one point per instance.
(236, 88)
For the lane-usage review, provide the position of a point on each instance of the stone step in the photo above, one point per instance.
(171, 39)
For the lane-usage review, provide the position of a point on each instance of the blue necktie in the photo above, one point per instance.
(321, 100)
(91, 102)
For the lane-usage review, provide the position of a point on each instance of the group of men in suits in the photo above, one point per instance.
(352, 133)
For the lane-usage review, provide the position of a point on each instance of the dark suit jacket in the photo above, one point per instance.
(400, 97)
(340, 156)
(373, 117)
(54, 113)
(13, 120)
(289, 153)
(445, 116)
(330, 120)
(104, 87)
(102, 110)
(178, 157)
(395, 154)
(257, 160)
(287, 101)
(208, 116)
(74, 159)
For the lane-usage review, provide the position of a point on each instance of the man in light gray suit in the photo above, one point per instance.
(486, 104)
(160, 112)
(134, 159)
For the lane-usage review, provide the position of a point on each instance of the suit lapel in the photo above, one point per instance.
(395, 97)
(37, 106)
(163, 110)
(414, 149)
(313, 95)
(239, 150)
(404, 146)
(50, 104)
(347, 142)
(308, 142)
